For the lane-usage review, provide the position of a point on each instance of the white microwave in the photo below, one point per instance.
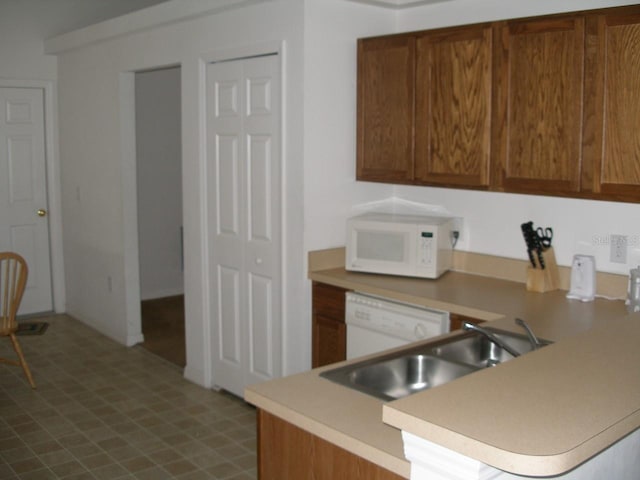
(409, 245)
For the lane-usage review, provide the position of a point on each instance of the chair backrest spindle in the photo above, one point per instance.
(13, 277)
(13, 280)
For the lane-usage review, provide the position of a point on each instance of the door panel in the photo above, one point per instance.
(227, 184)
(20, 157)
(23, 191)
(261, 328)
(259, 170)
(243, 128)
(621, 101)
(229, 331)
(263, 247)
(224, 135)
(453, 107)
(540, 82)
(612, 151)
(24, 237)
(386, 92)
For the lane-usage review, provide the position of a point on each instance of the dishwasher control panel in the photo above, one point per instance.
(400, 320)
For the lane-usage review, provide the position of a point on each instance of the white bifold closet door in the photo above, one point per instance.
(244, 220)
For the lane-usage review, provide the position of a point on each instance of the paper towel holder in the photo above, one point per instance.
(583, 278)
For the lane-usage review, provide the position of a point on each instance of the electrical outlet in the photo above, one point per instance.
(458, 226)
(618, 252)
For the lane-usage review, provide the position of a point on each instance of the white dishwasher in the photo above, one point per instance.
(375, 324)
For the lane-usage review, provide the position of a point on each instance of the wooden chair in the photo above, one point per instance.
(13, 279)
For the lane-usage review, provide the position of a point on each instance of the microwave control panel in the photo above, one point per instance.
(425, 249)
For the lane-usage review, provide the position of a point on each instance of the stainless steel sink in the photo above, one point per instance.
(479, 351)
(399, 376)
(415, 369)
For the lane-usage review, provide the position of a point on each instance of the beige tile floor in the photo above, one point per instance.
(104, 411)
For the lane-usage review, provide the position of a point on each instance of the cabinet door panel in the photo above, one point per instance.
(329, 331)
(329, 341)
(328, 300)
(286, 452)
(453, 112)
(612, 105)
(539, 87)
(385, 108)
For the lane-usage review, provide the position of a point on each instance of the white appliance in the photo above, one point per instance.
(410, 245)
(583, 278)
(375, 324)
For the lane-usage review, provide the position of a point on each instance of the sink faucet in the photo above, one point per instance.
(493, 338)
(535, 343)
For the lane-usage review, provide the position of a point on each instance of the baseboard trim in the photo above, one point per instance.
(196, 376)
(134, 339)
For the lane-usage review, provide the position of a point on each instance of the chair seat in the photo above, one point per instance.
(8, 331)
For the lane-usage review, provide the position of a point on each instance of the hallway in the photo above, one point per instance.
(104, 411)
(163, 328)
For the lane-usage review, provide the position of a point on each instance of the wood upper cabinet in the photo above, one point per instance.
(385, 108)
(453, 107)
(424, 107)
(545, 105)
(538, 84)
(612, 105)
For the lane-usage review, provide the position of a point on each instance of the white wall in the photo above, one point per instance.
(22, 32)
(159, 182)
(94, 139)
(24, 25)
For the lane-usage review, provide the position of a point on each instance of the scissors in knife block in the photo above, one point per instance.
(545, 236)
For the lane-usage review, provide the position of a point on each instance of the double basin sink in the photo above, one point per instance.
(401, 373)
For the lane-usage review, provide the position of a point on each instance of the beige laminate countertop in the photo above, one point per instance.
(540, 414)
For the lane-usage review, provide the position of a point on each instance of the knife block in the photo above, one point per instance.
(544, 279)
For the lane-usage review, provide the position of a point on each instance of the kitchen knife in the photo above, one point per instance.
(539, 249)
(526, 228)
(537, 244)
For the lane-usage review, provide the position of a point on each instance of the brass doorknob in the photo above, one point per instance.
(42, 212)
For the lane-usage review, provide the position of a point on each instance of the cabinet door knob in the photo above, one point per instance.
(258, 261)
(42, 212)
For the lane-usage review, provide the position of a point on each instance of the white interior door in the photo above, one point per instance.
(244, 185)
(23, 194)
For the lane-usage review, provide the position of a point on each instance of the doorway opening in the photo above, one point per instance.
(159, 204)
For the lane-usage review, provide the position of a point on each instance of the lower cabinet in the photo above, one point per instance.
(329, 332)
(286, 452)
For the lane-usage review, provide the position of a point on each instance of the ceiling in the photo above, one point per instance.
(55, 17)
(397, 4)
